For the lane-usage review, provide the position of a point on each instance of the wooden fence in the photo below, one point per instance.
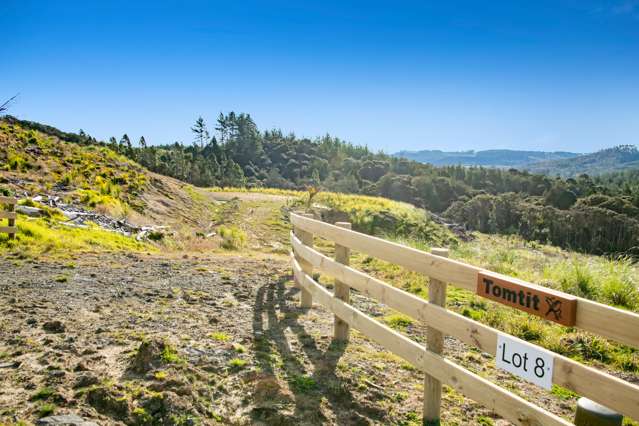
(609, 322)
(8, 214)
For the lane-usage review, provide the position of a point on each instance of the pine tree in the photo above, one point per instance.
(201, 133)
(142, 142)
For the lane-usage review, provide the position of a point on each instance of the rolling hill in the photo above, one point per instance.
(622, 157)
(487, 158)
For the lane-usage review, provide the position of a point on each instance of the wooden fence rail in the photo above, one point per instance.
(606, 389)
(10, 215)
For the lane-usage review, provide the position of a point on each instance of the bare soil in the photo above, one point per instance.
(70, 336)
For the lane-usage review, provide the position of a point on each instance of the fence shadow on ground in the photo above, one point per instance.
(275, 312)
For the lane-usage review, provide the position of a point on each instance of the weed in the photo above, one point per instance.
(303, 383)
(170, 355)
(46, 410)
(220, 336)
(237, 363)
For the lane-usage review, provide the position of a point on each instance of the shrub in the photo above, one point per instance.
(233, 238)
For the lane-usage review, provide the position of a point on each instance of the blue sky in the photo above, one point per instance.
(452, 75)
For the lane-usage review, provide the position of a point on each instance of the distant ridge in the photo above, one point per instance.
(488, 158)
(618, 158)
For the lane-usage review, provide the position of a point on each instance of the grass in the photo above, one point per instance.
(170, 355)
(43, 394)
(233, 238)
(237, 363)
(398, 321)
(220, 336)
(303, 383)
(37, 237)
(46, 409)
(612, 281)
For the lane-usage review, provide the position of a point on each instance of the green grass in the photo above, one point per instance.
(43, 394)
(237, 363)
(170, 355)
(398, 321)
(220, 336)
(233, 238)
(46, 410)
(303, 384)
(41, 236)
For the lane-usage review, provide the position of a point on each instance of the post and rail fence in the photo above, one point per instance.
(10, 215)
(610, 395)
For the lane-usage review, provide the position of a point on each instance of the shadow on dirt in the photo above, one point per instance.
(275, 315)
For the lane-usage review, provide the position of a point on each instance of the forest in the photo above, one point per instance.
(598, 214)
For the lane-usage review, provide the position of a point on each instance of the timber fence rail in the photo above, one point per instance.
(10, 215)
(609, 322)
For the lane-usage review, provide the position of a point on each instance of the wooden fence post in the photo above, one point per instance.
(12, 220)
(342, 291)
(306, 299)
(434, 343)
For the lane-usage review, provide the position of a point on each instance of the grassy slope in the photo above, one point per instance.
(98, 179)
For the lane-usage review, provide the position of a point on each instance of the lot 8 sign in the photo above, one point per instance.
(544, 302)
(524, 360)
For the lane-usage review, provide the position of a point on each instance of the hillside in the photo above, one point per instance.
(488, 158)
(617, 159)
(202, 326)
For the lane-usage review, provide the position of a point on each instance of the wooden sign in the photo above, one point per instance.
(544, 302)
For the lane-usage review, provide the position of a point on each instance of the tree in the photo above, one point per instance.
(113, 144)
(125, 146)
(201, 133)
(142, 142)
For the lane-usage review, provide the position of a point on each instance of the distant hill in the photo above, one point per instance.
(622, 157)
(488, 158)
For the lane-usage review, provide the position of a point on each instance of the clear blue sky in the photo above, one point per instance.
(453, 75)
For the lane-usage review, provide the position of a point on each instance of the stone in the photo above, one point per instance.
(30, 211)
(148, 356)
(64, 420)
(85, 380)
(54, 326)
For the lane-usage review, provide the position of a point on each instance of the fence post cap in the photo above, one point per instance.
(591, 413)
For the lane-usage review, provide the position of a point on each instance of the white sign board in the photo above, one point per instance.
(529, 362)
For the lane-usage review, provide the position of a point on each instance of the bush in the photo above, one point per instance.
(233, 238)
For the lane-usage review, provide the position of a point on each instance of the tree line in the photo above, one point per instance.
(592, 214)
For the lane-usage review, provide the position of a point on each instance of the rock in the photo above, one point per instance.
(54, 327)
(148, 356)
(85, 380)
(30, 211)
(64, 420)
